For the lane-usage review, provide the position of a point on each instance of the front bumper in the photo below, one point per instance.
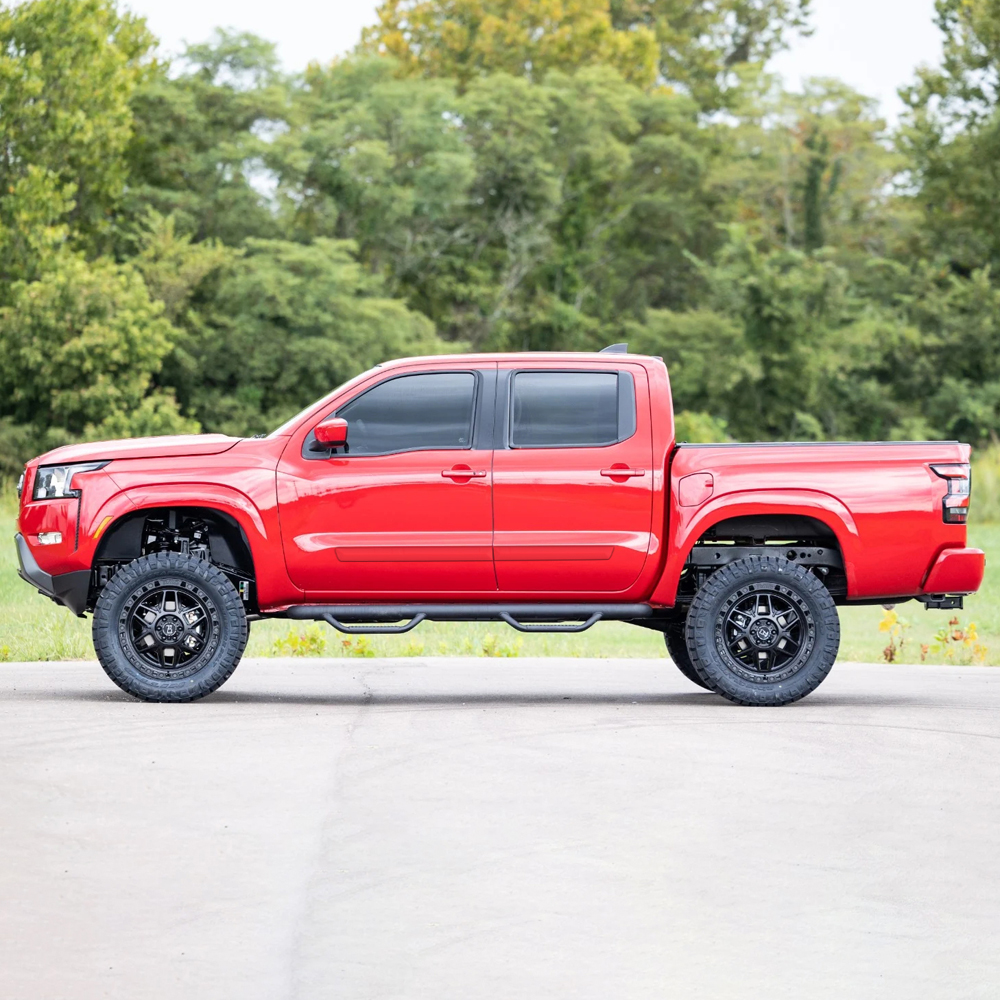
(956, 571)
(68, 589)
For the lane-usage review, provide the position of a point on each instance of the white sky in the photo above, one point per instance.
(874, 45)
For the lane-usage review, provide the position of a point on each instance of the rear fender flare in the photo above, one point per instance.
(689, 525)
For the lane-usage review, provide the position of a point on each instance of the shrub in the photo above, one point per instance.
(310, 642)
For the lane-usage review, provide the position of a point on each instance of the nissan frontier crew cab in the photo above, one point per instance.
(546, 491)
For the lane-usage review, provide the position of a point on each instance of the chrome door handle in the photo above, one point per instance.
(464, 473)
(623, 473)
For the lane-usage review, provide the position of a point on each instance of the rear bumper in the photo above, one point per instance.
(68, 589)
(956, 571)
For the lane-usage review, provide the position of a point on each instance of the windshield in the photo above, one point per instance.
(289, 425)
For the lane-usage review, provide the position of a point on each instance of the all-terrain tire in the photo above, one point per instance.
(171, 591)
(763, 631)
(676, 642)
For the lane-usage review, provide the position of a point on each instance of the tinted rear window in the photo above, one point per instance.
(571, 409)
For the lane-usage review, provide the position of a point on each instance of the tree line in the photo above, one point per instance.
(212, 243)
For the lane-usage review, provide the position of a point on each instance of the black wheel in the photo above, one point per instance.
(677, 648)
(763, 631)
(169, 627)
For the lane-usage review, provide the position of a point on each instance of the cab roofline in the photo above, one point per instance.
(554, 356)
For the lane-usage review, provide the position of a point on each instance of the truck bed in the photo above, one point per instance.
(881, 501)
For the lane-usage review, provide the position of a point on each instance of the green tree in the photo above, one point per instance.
(813, 169)
(702, 44)
(463, 39)
(697, 45)
(67, 71)
(707, 355)
(174, 267)
(951, 138)
(791, 308)
(79, 352)
(216, 240)
(285, 325)
(790, 345)
(201, 140)
(939, 359)
(517, 214)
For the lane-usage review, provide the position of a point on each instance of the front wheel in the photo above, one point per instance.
(763, 631)
(169, 627)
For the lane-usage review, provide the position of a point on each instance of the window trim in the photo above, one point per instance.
(508, 422)
(477, 395)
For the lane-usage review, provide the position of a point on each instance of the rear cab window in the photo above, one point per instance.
(571, 409)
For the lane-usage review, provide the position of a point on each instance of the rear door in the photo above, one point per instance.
(572, 480)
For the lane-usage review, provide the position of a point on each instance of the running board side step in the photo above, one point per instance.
(373, 619)
(372, 629)
(521, 627)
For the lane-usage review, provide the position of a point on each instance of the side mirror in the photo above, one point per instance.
(331, 433)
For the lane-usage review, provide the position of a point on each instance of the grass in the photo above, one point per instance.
(986, 486)
(34, 628)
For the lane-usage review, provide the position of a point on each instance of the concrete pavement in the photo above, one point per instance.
(427, 829)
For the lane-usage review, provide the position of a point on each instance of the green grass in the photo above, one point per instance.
(986, 486)
(33, 628)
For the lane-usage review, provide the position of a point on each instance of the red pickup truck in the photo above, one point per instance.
(543, 490)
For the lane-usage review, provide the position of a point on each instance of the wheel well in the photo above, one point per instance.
(765, 529)
(203, 532)
(801, 539)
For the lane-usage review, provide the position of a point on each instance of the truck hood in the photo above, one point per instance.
(168, 446)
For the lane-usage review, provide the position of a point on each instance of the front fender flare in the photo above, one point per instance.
(222, 498)
(274, 588)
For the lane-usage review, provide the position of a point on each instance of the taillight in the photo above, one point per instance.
(955, 507)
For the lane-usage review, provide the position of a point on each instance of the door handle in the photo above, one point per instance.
(622, 473)
(464, 473)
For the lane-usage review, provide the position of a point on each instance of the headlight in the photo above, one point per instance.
(53, 482)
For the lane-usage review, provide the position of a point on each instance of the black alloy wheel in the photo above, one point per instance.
(169, 627)
(766, 629)
(763, 631)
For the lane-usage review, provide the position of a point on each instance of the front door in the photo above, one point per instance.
(572, 481)
(405, 511)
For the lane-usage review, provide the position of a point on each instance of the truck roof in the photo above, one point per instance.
(556, 357)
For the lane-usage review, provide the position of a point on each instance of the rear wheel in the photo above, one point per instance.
(169, 627)
(763, 631)
(673, 634)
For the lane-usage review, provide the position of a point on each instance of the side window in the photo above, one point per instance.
(571, 409)
(412, 413)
